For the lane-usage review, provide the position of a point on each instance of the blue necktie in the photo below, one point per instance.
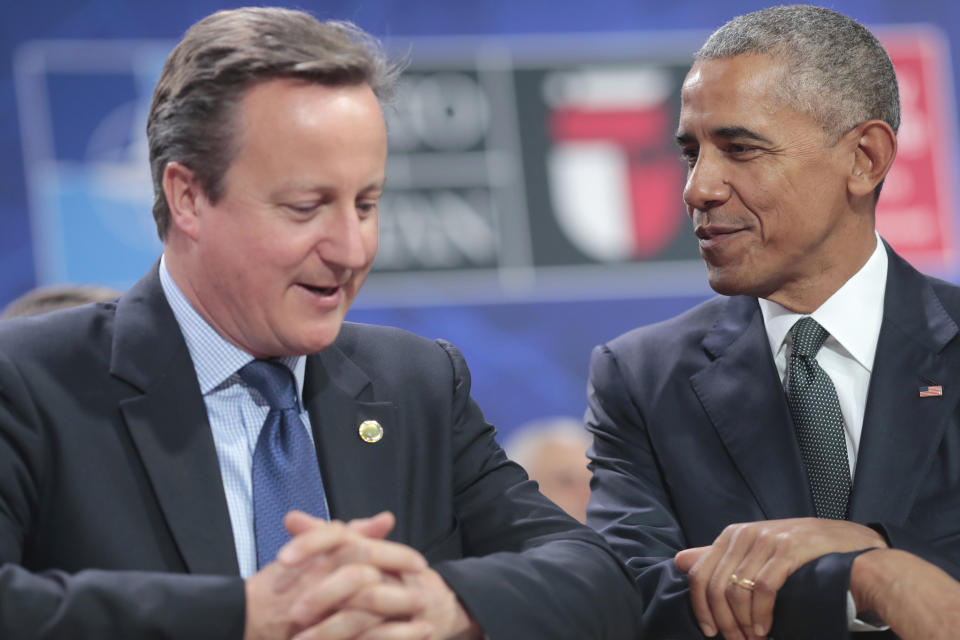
(285, 471)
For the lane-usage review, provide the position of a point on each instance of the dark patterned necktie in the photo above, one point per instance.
(818, 422)
(285, 471)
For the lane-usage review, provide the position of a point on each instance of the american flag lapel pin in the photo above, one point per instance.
(931, 391)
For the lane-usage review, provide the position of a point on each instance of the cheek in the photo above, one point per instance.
(371, 242)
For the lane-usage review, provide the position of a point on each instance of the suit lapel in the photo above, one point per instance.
(168, 425)
(901, 430)
(359, 477)
(744, 399)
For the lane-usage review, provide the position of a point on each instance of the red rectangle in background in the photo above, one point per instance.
(916, 212)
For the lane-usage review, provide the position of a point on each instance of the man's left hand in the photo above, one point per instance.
(764, 554)
(435, 608)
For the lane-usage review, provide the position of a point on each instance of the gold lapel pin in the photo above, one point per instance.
(370, 431)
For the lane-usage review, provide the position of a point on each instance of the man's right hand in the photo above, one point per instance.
(339, 582)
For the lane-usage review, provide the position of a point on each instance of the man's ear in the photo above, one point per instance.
(183, 193)
(876, 148)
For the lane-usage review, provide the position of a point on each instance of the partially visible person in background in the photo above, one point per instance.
(553, 452)
(43, 299)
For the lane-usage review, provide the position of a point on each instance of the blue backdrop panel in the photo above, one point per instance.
(76, 192)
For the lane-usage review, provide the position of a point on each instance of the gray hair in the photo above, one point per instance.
(192, 116)
(836, 70)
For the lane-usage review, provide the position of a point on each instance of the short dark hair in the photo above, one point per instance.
(192, 115)
(836, 70)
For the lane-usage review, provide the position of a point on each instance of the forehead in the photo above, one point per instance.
(731, 92)
(288, 104)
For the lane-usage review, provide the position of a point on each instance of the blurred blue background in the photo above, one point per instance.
(535, 203)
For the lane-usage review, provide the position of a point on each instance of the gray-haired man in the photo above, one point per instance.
(808, 414)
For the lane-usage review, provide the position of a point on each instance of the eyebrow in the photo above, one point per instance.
(742, 133)
(739, 132)
(307, 187)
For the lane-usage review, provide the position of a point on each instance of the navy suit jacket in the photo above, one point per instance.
(692, 432)
(113, 517)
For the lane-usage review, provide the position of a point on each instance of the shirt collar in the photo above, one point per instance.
(852, 315)
(214, 357)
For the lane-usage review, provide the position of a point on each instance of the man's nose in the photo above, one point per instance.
(706, 186)
(344, 241)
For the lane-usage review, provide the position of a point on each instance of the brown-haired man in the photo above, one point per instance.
(152, 450)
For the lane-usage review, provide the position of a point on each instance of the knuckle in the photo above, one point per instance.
(716, 590)
(732, 593)
(695, 574)
(377, 599)
(762, 586)
(359, 573)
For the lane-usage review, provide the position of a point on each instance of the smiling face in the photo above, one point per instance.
(766, 188)
(275, 263)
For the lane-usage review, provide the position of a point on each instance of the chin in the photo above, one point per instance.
(726, 285)
(320, 340)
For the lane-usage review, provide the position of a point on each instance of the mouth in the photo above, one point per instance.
(712, 235)
(320, 291)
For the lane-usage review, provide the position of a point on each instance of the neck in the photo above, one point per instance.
(806, 295)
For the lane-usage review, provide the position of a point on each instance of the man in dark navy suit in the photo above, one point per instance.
(169, 462)
(767, 436)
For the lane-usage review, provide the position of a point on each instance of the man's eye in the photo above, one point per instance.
(303, 207)
(737, 149)
(367, 207)
(690, 156)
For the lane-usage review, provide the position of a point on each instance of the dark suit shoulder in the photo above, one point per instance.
(387, 345)
(63, 336)
(394, 356)
(671, 335)
(948, 293)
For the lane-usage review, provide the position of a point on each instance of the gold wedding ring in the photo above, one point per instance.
(744, 583)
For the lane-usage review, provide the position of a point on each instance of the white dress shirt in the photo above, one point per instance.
(235, 411)
(852, 316)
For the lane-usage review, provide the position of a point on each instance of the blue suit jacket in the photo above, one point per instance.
(692, 432)
(113, 519)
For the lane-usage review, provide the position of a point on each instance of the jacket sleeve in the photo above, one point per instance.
(529, 571)
(87, 604)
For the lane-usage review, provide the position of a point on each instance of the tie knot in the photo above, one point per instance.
(273, 380)
(808, 337)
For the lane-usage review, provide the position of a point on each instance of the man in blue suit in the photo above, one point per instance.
(174, 464)
(810, 412)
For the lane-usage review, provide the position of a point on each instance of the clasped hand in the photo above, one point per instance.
(335, 581)
(762, 555)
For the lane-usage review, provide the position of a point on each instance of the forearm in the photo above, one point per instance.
(105, 604)
(917, 599)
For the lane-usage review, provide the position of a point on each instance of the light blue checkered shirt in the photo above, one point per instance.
(236, 412)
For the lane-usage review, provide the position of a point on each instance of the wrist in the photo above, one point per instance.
(868, 579)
